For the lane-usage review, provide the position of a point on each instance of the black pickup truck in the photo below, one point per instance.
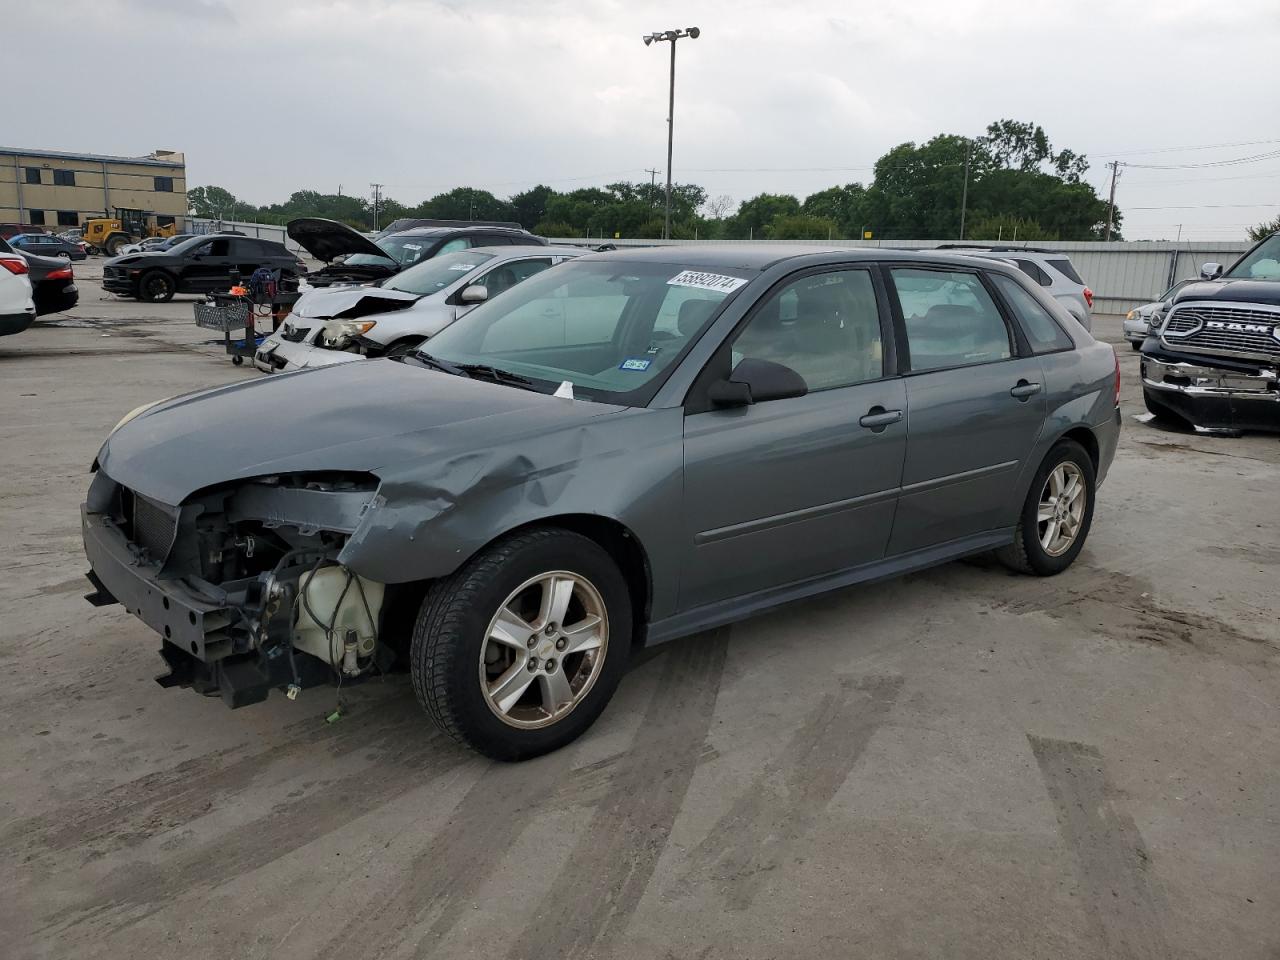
(1214, 359)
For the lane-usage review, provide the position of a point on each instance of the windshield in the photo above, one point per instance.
(1260, 263)
(401, 251)
(612, 328)
(437, 273)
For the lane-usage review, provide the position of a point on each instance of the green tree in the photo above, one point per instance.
(1006, 228)
(531, 205)
(466, 203)
(1264, 230)
(218, 203)
(759, 212)
(801, 226)
(845, 206)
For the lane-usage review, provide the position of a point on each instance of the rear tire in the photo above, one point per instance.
(1136, 344)
(504, 668)
(156, 286)
(1059, 500)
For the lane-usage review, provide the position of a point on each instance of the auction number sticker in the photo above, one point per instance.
(706, 281)
(634, 363)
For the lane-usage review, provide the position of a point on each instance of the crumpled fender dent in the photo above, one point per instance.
(426, 526)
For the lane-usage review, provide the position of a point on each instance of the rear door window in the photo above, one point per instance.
(1065, 268)
(1038, 324)
(950, 319)
(1033, 271)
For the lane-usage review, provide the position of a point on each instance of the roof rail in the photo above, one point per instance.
(413, 223)
(993, 247)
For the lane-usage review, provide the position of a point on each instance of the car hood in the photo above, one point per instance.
(134, 257)
(1240, 291)
(326, 240)
(359, 417)
(347, 303)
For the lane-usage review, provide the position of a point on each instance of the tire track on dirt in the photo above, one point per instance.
(132, 892)
(1112, 859)
(588, 905)
(125, 815)
(783, 803)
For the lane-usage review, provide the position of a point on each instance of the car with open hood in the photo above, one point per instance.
(350, 257)
(624, 449)
(397, 315)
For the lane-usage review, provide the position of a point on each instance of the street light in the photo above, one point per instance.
(671, 36)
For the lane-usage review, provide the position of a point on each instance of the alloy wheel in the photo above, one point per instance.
(544, 649)
(1060, 513)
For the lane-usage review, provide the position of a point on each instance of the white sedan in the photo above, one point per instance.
(331, 325)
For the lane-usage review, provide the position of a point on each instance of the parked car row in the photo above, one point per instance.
(52, 280)
(47, 245)
(619, 449)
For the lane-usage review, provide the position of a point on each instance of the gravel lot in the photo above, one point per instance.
(963, 763)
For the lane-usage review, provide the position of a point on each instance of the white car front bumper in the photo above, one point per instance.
(278, 355)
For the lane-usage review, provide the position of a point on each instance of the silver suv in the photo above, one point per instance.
(1051, 269)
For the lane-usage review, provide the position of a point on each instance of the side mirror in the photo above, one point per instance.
(1211, 271)
(755, 381)
(476, 293)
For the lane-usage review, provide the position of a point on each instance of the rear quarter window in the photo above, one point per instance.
(1065, 268)
(1037, 322)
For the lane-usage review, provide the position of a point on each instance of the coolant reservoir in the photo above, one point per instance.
(322, 590)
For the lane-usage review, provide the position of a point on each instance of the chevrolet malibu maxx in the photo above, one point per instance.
(632, 447)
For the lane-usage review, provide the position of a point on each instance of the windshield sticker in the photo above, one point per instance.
(412, 246)
(634, 363)
(706, 281)
(463, 266)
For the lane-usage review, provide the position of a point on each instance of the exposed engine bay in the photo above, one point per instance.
(250, 589)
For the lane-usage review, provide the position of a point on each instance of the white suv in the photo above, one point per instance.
(1049, 268)
(16, 307)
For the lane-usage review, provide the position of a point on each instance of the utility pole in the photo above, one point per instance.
(377, 202)
(653, 178)
(1115, 166)
(671, 36)
(964, 191)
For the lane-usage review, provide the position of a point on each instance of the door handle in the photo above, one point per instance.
(877, 418)
(1024, 390)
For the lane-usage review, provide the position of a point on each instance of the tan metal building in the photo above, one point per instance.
(58, 190)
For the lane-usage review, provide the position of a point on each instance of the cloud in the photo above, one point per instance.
(423, 95)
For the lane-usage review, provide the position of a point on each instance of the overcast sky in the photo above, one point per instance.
(269, 96)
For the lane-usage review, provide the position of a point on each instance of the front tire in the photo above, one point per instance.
(156, 286)
(1057, 514)
(518, 652)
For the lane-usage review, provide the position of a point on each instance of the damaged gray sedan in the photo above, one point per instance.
(632, 447)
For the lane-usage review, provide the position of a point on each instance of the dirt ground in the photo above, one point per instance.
(959, 764)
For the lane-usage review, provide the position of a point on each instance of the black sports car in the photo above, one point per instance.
(199, 265)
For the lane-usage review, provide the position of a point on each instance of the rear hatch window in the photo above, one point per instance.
(1065, 268)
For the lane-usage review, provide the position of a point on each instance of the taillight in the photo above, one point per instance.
(1116, 357)
(14, 265)
(62, 273)
(1088, 297)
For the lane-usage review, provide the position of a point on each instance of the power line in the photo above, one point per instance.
(1210, 206)
(1235, 161)
(1198, 146)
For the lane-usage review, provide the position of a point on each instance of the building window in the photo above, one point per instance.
(64, 178)
(163, 221)
(164, 184)
(68, 218)
(33, 174)
(37, 217)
